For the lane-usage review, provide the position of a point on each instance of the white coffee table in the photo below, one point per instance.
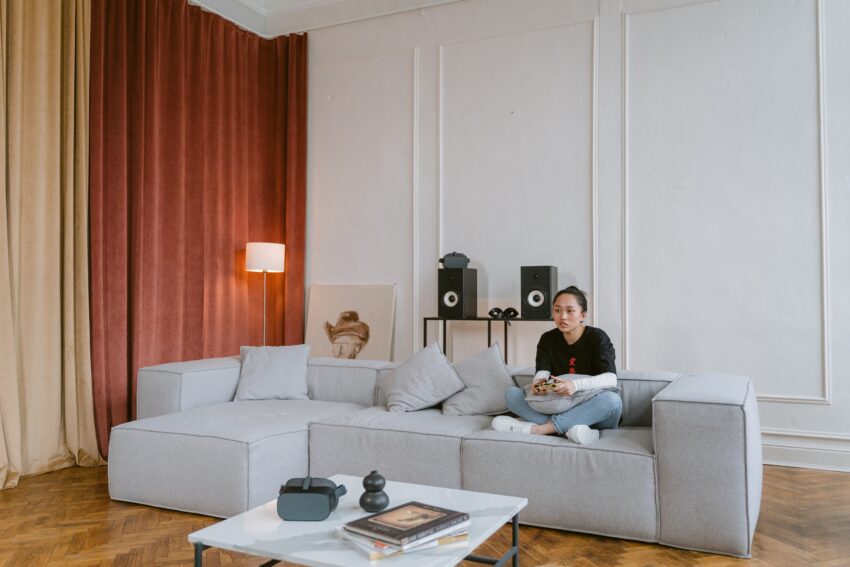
(261, 531)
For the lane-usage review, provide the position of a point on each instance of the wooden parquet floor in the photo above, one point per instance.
(66, 518)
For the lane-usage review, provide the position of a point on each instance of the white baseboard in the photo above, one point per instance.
(811, 450)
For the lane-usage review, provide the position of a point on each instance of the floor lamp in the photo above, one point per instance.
(264, 257)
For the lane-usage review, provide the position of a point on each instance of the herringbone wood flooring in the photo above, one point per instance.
(67, 518)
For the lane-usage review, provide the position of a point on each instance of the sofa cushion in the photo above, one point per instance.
(273, 373)
(607, 488)
(485, 378)
(218, 460)
(422, 381)
(245, 421)
(638, 387)
(386, 381)
(344, 380)
(421, 446)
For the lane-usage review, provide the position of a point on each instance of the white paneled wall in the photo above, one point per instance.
(722, 131)
(685, 162)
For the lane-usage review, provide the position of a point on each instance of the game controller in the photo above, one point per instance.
(549, 384)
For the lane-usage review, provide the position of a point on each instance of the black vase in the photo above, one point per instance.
(374, 499)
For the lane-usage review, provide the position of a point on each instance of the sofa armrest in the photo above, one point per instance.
(708, 463)
(178, 386)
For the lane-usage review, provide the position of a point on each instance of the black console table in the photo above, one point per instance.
(489, 320)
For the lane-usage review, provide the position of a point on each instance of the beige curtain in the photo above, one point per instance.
(46, 417)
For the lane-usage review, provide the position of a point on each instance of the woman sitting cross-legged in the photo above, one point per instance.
(576, 363)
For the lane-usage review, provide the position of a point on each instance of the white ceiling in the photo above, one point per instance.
(270, 18)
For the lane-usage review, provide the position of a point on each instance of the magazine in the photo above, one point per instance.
(377, 549)
(372, 548)
(407, 523)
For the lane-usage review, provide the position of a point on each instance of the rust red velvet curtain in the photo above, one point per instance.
(198, 145)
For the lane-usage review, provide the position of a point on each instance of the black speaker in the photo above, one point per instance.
(538, 285)
(458, 293)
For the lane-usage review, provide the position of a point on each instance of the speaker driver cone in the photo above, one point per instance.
(535, 298)
(450, 298)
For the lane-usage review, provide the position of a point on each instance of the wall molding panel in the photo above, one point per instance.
(594, 161)
(624, 189)
(823, 204)
(348, 177)
(415, 228)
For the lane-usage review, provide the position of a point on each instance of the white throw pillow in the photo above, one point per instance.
(270, 373)
(423, 380)
(486, 378)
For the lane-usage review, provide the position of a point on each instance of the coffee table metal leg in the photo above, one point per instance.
(199, 554)
(513, 552)
(514, 530)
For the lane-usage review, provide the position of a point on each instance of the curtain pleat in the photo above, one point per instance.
(295, 153)
(78, 401)
(192, 132)
(46, 413)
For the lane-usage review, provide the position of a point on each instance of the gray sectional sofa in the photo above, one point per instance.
(684, 469)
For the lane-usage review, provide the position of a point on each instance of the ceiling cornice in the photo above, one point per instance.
(271, 18)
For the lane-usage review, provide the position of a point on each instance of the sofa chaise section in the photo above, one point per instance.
(198, 451)
(218, 460)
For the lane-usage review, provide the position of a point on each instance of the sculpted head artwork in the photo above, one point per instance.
(348, 336)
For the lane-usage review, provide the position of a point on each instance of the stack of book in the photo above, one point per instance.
(410, 527)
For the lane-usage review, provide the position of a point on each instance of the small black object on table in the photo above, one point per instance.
(374, 499)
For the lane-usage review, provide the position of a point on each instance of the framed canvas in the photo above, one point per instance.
(351, 321)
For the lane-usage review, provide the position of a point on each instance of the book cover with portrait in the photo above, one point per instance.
(407, 523)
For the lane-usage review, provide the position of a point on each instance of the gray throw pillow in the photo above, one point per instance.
(486, 378)
(270, 373)
(549, 403)
(552, 403)
(423, 380)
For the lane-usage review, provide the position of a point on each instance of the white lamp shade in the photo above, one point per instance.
(264, 257)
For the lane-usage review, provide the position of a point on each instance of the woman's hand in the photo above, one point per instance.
(566, 387)
(535, 387)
